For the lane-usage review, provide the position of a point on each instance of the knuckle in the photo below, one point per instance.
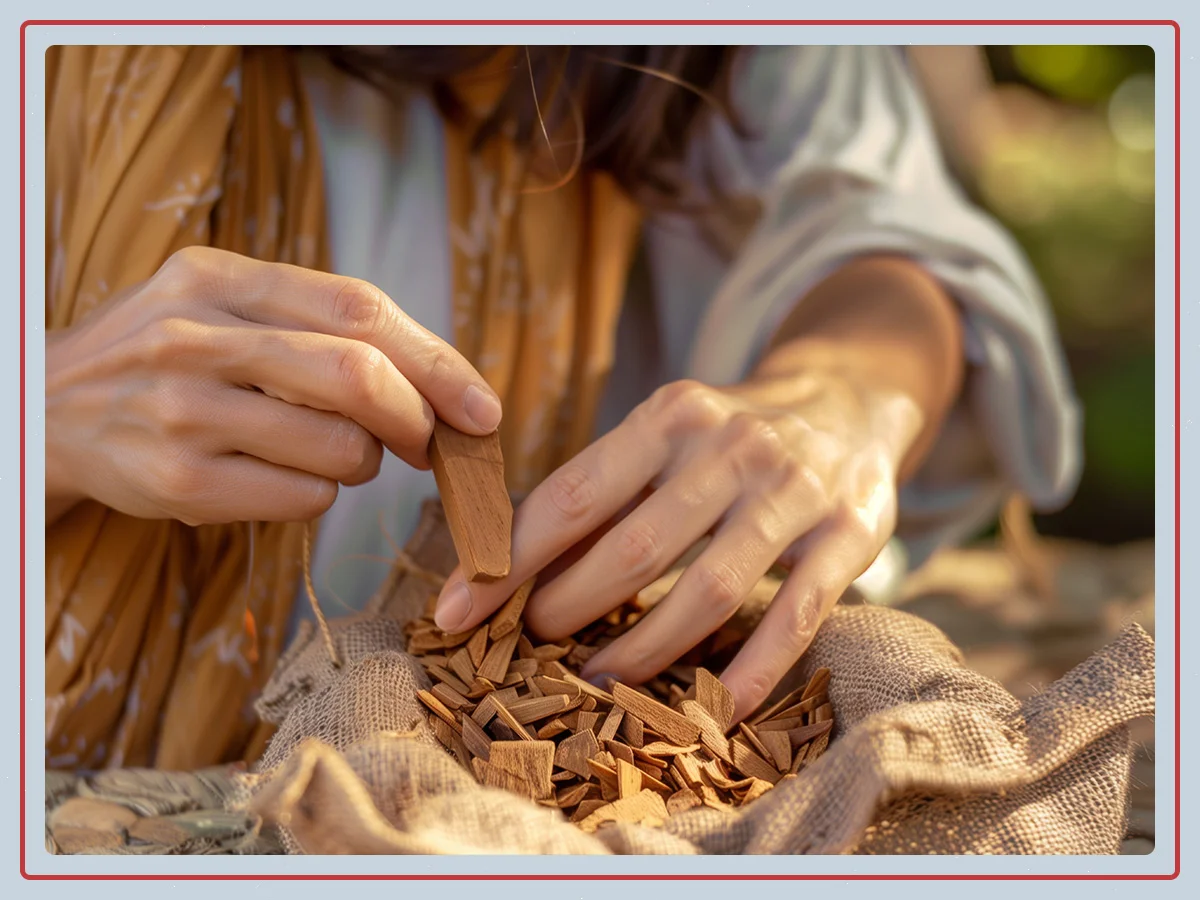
(719, 587)
(757, 441)
(573, 492)
(639, 548)
(358, 369)
(804, 617)
(358, 307)
(687, 405)
(180, 479)
(162, 341)
(350, 447)
(758, 688)
(183, 268)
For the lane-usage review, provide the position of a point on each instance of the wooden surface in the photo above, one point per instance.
(470, 477)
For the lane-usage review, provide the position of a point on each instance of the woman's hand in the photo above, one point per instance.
(797, 466)
(799, 472)
(226, 389)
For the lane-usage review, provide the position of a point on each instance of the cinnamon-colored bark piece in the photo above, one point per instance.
(508, 616)
(746, 761)
(496, 661)
(532, 761)
(779, 746)
(475, 738)
(574, 752)
(665, 721)
(469, 471)
(477, 646)
(714, 697)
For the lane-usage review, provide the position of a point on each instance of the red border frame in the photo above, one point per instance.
(613, 877)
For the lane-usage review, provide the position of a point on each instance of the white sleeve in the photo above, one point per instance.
(841, 160)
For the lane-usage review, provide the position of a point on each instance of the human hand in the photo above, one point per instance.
(799, 471)
(227, 389)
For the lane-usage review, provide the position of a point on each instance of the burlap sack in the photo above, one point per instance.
(926, 757)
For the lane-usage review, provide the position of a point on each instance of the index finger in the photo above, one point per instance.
(291, 297)
(566, 508)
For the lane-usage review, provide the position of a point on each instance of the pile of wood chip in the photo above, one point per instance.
(518, 716)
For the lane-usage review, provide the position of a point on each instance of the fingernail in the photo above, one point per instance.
(454, 607)
(604, 680)
(483, 407)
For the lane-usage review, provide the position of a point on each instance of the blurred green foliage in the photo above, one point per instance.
(1075, 185)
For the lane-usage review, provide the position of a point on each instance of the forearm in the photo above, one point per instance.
(888, 328)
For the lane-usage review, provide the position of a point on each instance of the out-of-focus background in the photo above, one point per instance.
(1058, 143)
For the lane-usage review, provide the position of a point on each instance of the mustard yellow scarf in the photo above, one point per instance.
(149, 660)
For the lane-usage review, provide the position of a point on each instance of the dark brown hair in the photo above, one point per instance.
(627, 110)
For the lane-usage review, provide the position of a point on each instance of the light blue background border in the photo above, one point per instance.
(1162, 38)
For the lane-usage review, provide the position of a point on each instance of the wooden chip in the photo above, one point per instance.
(574, 752)
(469, 471)
(496, 661)
(449, 679)
(681, 801)
(475, 738)
(552, 729)
(573, 796)
(524, 648)
(487, 707)
(689, 770)
(752, 739)
(658, 748)
(654, 762)
(532, 761)
(714, 697)
(770, 712)
(477, 646)
(779, 748)
(807, 733)
(785, 724)
(629, 779)
(450, 697)
(560, 777)
(452, 741)
(586, 808)
(503, 714)
(549, 652)
(534, 690)
(88, 814)
(588, 721)
(438, 709)
(644, 808)
(480, 687)
(619, 751)
(756, 790)
(589, 704)
(746, 761)
(818, 684)
(534, 709)
(632, 730)
(799, 759)
(460, 664)
(500, 778)
(548, 685)
(603, 767)
(457, 640)
(816, 748)
(665, 721)
(711, 734)
(590, 689)
(823, 713)
(507, 617)
(526, 668)
(611, 722)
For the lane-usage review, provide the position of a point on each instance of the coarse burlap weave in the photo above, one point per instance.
(926, 757)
